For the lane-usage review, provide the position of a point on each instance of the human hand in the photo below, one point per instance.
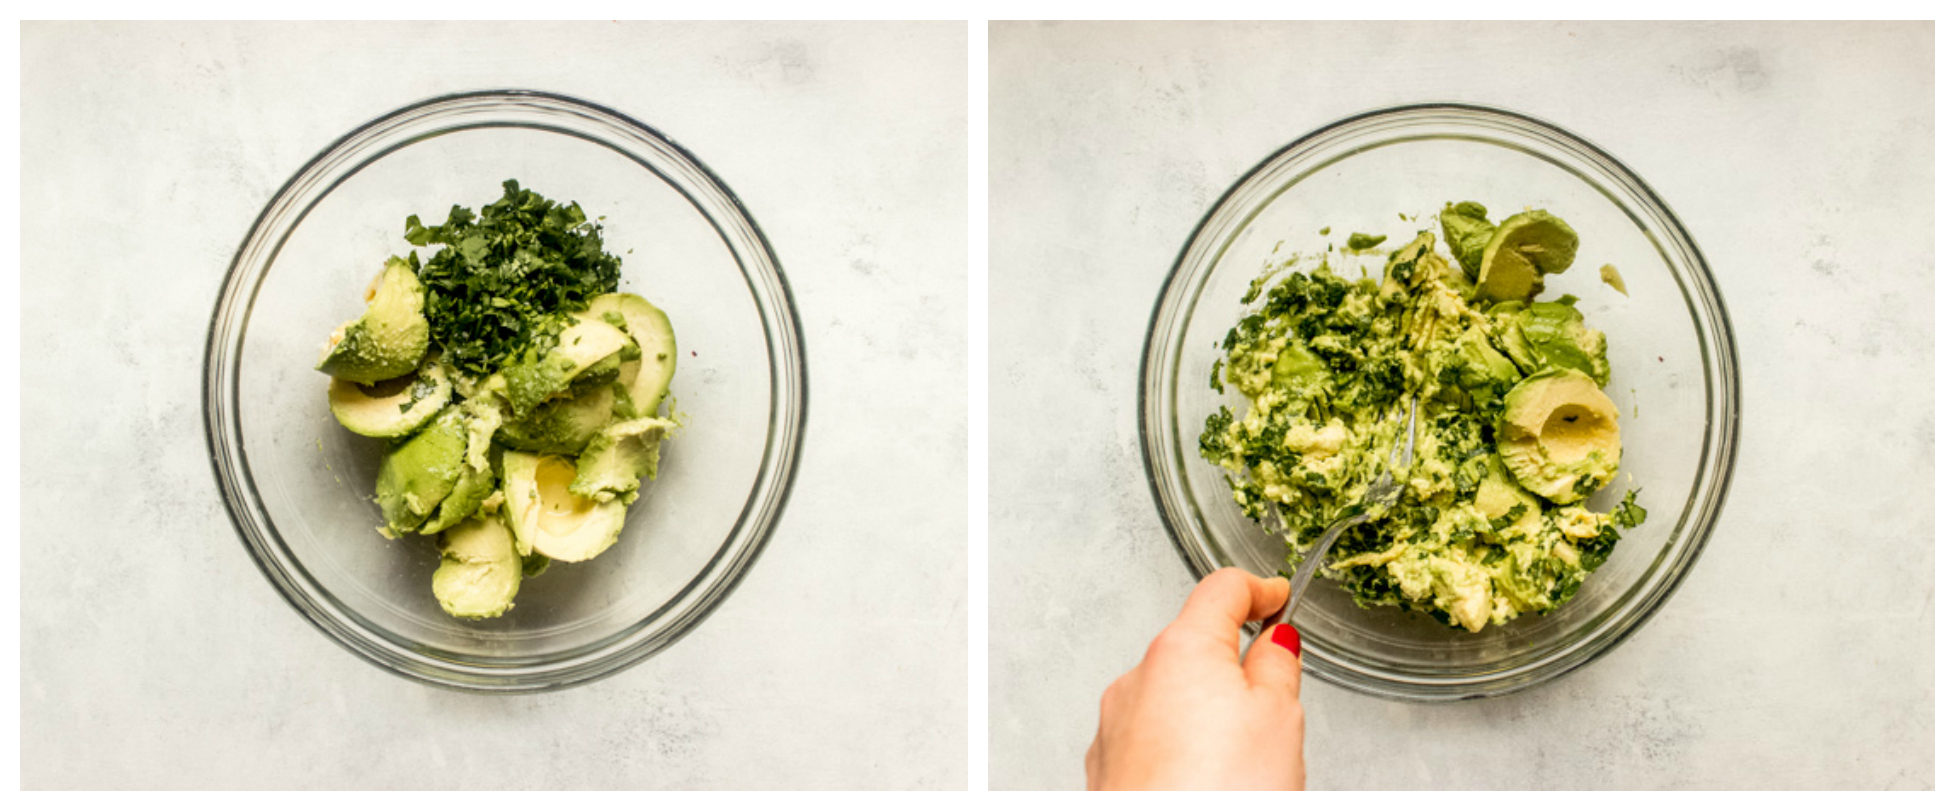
(1191, 716)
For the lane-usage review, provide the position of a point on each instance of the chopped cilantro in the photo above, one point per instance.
(505, 282)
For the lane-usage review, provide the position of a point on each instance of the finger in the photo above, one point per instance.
(1272, 660)
(1271, 596)
(1225, 600)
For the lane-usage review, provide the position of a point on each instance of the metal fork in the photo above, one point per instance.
(1382, 494)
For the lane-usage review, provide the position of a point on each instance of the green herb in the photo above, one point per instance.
(506, 282)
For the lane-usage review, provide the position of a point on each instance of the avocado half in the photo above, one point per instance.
(550, 520)
(618, 457)
(390, 338)
(480, 570)
(440, 476)
(390, 408)
(1467, 232)
(588, 345)
(1551, 334)
(1559, 435)
(643, 381)
(1518, 253)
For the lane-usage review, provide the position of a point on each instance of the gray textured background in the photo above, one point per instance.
(153, 654)
(1799, 653)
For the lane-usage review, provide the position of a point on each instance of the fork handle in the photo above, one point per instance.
(1307, 571)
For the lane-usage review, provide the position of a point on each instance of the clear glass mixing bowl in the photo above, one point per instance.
(300, 488)
(1675, 377)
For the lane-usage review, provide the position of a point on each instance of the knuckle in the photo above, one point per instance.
(1233, 577)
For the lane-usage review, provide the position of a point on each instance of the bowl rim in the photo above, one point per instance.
(1723, 423)
(752, 529)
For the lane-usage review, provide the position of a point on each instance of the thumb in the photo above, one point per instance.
(1272, 660)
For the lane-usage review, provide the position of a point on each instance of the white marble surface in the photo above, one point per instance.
(153, 654)
(1799, 653)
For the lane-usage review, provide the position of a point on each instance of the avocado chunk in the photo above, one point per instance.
(1524, 248)
(563, 425)
(1416, 264)
(417, 475)
(463, 501)
(1613, 278)
(390, 338)
(1297, 369)
(480, 570)
(644, 381)
(1364, 242)
(618, 457)
(1551, 334)
(1467, 231)
(480, 418)
(390, 408)
(550, 520)
(588, 345)
(535, 563)
(1477, 369)
(1498, 499)
(1559, 436)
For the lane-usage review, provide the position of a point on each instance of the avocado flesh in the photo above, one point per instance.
(618, 457)
(646, 379)
(1560, 337)
(417, 475)
(1466, 542)
(1467, 232)
(581, 346)
(1559, 435)
(563, 425)
(389, 339)
(550, 520)
(1524, 248)
(480, 418)
(1455, 585)
(1478, 370)
(463, 501)
(390, 408)
(1496, 499)
(1417, 263)
(480, 570)
(1551, 334)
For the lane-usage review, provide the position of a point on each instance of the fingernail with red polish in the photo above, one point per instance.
(1286, 637)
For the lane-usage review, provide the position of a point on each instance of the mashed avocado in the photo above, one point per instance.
(1515, 430)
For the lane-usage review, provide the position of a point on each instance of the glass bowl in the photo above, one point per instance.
(300, 488)
(1675, 377)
